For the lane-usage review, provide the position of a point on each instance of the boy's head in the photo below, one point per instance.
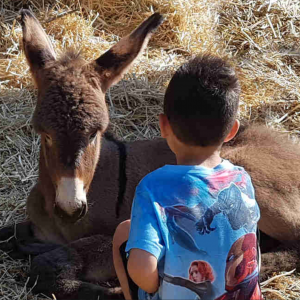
(202, 100)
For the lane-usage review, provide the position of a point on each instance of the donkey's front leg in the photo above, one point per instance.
(76, 270)
(10, 236)
(26, 238)
(19, 242)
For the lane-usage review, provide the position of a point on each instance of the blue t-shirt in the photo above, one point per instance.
(200, 224)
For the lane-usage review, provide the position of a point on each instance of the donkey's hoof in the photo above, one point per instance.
(8, 242)
(6, 233)
(17, 241)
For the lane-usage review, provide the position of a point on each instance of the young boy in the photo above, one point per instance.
(192, 229)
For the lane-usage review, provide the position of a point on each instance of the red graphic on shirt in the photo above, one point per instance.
(241, 273)
(201, 277)
(200, 271)
(220, 180)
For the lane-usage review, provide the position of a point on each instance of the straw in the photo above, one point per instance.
(261, 38)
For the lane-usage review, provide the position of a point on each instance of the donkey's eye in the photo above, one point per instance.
(48, 140)
(93, 135)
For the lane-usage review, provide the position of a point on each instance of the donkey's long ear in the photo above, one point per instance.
(37, 46)
(115, 62)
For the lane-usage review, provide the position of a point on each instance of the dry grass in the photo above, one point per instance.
(263, 38)
(260, 37)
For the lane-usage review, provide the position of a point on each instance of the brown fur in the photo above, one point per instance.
(273, 162)
(70, 108)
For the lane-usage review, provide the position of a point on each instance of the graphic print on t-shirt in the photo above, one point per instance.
(203, 232)
(241, 274)
(200, 281)
(239, 209)
(179, 234)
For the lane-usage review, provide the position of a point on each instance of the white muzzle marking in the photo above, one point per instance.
(70, 194)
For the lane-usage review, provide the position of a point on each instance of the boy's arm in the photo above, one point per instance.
(145, 244)
(142, 268)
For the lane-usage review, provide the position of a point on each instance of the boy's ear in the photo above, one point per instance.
(164, 125)
(233, 131)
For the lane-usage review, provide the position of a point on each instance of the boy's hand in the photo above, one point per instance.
(142, 268)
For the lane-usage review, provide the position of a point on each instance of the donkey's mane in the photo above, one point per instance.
(69, 55)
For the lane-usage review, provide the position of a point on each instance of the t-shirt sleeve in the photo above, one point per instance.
(145, 233)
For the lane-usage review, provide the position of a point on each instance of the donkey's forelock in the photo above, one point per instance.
(71, 56)
(70, 100)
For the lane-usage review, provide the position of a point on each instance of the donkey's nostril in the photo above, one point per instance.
(83, 210)
(75, 216)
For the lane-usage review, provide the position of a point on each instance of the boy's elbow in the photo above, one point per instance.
(143, 276)
(150, 290)
(146, 283)
(151, 285)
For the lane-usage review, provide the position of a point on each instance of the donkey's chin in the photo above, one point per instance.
(76, 215)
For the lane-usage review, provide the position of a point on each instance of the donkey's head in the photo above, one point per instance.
(71, 113)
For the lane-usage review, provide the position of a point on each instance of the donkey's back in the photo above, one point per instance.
(273, 162)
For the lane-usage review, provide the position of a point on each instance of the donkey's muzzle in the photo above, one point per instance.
(79, 213)
(70, 202)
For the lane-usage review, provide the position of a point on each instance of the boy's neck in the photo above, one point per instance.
(190, 155)
(208, 157)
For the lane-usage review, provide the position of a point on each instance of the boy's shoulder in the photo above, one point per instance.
(226, 171)
(226, 165)
(231, 171)
(229, 166)
(156, 178)
(152, 176)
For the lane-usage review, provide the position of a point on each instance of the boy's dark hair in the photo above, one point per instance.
(202, 100)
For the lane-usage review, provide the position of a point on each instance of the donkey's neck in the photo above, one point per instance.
(122, 165)
(45, 185)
